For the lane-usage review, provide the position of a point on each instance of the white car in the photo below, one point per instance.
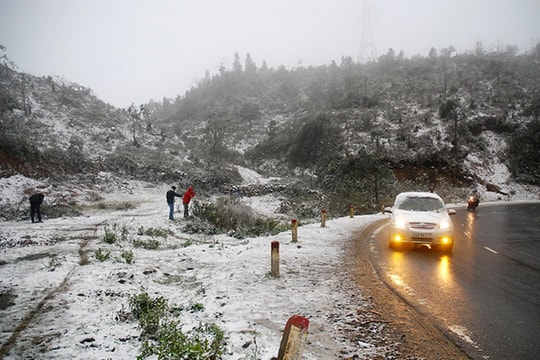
(420, 219)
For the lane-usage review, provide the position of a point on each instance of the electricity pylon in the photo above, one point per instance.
(368, 51)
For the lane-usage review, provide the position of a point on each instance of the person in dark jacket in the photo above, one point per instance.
(171, 194)
(35, 206)
(188, 195)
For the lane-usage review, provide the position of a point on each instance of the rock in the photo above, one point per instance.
(495, 189)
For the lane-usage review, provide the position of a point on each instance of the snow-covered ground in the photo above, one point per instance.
(57, 301)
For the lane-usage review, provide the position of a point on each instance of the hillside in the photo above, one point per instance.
(357, 133)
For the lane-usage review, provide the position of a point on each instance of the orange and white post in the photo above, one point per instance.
(294, 338)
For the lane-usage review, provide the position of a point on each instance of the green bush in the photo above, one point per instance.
(127, 256)
(316, 143)
(194, 307)
(523, 151)
(148, 311)
(109, 237)
(153, 232)
(448, 109)
(165, 338)
(146, 244)
(264, 226)
(102, 255)
(230, 215)
(202, 343)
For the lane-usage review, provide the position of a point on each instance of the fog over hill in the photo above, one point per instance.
(356, 133)
(108, 274)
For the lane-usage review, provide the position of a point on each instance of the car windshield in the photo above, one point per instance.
(421, 204)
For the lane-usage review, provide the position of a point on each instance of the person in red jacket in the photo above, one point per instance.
(188, 195)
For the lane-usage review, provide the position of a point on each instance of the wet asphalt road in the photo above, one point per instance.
(486, 294)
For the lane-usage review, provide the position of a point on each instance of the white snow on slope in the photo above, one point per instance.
(74, 310)
(252, 177)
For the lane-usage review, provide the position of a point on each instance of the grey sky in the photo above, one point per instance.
(136, 50)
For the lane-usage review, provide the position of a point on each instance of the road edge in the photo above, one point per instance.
(415, 334)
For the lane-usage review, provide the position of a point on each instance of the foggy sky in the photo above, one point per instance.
(131, 51)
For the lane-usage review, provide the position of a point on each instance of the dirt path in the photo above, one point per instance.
(409, 334)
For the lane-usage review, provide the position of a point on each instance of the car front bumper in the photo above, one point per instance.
(421, 237)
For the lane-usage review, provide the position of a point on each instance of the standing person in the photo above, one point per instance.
(171, 194)
(35, 206)
(188, 195)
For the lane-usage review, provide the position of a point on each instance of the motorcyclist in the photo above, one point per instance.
(475, 197)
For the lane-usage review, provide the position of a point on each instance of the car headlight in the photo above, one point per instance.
(399, 223)
(444, 225)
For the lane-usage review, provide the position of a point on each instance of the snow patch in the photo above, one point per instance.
(82, 299)
(251, 177)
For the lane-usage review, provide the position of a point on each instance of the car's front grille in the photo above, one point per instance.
(423, 225)
(421, 240)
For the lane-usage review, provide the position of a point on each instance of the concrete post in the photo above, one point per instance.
(275, 259)
(294, 338)
(294, 227)
(323, 217)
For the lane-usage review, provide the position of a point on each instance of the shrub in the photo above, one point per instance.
(165, 338)
(124, 232)
(230, 215)
(194, 307)
(54, 263)
(127, 256)
(146, 244)
(523, 152)
(148, 311)
(448, 109)
(204, 342)
(102, 255)
(153, 232)
(109, 237)
(267, 227)
(316, 143)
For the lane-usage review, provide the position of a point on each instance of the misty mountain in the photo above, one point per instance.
(357, 132)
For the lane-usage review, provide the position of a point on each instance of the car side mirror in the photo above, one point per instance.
(388, 209)
(451, 212)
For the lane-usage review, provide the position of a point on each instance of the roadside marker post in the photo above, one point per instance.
(294, 338)
(323, 218)
(294, 226)
(351, 210)
(274, 266)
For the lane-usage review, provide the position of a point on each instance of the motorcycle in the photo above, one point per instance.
(472, 202)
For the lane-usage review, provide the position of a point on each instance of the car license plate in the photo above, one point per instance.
(422, 235)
